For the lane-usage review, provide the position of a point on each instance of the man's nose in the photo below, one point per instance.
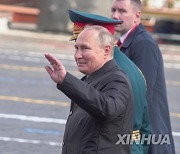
(78, 54)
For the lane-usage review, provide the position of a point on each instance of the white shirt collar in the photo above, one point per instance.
(123, 37)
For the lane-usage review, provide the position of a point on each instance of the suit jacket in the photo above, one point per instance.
(102, 108)
(145, 53)
(138, 83)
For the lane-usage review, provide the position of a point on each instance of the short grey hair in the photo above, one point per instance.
(136, 3)
(104, 36)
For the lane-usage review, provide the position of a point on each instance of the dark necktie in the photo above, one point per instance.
(119, 44)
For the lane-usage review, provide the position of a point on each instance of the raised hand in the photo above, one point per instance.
(58, 71)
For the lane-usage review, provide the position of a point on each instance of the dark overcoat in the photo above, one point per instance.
(141, 48)
(102, 108)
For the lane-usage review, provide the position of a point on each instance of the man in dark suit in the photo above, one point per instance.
(140, 47)
(102, 101)
(138, 83)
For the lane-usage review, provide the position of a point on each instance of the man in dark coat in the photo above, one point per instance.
(140, 47)
(138, 83)
(102, 101)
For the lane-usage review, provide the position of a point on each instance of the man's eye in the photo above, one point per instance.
(85, 48)
(113, 10)
(75, 47)
(122, 11)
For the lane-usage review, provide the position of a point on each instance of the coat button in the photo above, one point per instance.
(70, 113)
(63, 143)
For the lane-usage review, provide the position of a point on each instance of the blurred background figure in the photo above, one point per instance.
(140, 47)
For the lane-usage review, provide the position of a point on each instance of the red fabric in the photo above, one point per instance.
(119, 43)
(109, 27)
(80, 24)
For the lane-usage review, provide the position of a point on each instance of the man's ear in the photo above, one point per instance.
(137, 17)
(107, 51)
